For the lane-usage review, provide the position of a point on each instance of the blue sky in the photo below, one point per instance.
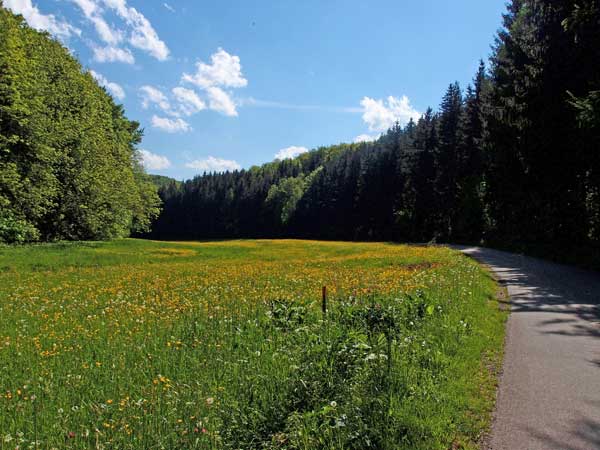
(227, 84)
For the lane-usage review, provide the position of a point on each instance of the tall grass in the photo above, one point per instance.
(223, 345)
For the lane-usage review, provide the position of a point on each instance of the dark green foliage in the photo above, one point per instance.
(68, 164)
(542, 175)
(514, 160)
(415, 183)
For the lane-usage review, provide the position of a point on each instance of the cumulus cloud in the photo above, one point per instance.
(183, 102)
(39, 21)
(225, 71)
(212, 164)
(220, 101)
(380, 115)
(113, 54)
(93, 12)
(290, 152)
(171, 125)
(365, 138)
(152, 161)
(142, 34)
(153, 96)
(89, 7)
(115, 89)
(188, 101)
(106, 32)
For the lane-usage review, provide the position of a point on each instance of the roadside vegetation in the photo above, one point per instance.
(224, 345)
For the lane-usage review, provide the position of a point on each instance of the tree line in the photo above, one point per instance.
(69, 168)
(514, 158)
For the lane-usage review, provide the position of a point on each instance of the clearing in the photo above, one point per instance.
(141, 344)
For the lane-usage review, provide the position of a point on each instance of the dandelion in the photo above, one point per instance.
(135, 318)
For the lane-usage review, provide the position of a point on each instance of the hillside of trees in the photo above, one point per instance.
(69, 168)
(515, 157)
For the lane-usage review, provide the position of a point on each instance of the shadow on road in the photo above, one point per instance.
(548, 287)
(571, 299)
(585, 430)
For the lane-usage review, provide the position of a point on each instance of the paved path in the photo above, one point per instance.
(549, 394)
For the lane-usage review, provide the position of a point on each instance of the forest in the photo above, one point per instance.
(513, 158)
(69, 168)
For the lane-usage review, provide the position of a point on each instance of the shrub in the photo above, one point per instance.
(16, 231)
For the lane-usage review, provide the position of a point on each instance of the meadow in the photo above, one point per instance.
(135, 344)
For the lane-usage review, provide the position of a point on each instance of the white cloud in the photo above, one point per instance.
(113, 54)
(220, 101)
(143, 35)
(152, 161)
(106, 33)
(153, 96)
(188, 101)
(290, 152)
(171, 125)
(39, 21)
(380, 116)
(115, 89)
(93, 13)
(365, 138)
(169, 7)
(225, 71)
(89, 7)
(212, 164)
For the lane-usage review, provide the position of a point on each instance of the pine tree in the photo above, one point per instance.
(448, 160)
(469, 219)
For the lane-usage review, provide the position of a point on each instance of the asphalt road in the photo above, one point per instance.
(549, 393)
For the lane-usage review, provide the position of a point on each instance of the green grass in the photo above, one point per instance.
(210, 345)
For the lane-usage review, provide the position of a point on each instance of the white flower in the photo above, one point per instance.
(333, 404)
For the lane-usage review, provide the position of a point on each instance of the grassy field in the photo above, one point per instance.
(156, 345)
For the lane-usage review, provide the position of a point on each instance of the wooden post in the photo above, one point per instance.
(324, 304)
